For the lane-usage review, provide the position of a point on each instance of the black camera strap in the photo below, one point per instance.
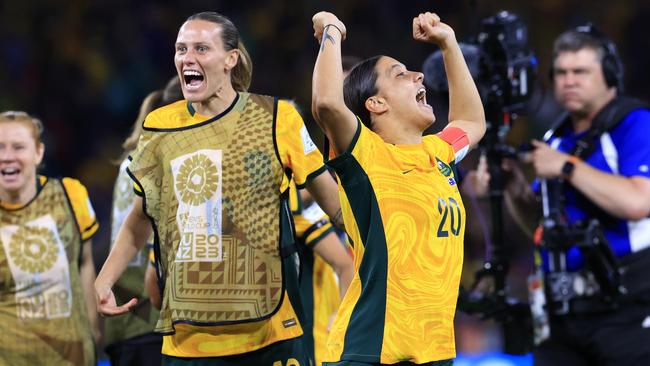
(609, 117)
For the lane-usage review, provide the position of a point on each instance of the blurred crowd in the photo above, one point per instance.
(84, 66)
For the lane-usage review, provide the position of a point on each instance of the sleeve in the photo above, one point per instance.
(294, 198)
(361, 151)
(152, 120)
(442, 149)
(457, 138)
(317, 232)
(83, 209)
(630, 139)
(137, 190)
(311, 227)
(296, 148)
(318, 225)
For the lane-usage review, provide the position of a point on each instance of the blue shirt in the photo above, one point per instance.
(624, 150)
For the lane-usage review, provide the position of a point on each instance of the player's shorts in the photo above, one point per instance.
(290, 352)
(406, 363)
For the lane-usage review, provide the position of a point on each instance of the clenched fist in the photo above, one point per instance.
(428, 28)
(322, 19)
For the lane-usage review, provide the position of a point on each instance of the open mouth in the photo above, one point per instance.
(8, 172)
(421, 97)
(193, 79)
(9, 175)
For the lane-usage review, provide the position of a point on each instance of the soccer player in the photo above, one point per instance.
(213, 173)
(130, 338)
(47, 305)
(399, 196)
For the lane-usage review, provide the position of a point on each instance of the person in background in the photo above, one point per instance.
(213, 174)
(129, 338)
(399, 196)
(326, 267)
(598, 158)
(47, 305)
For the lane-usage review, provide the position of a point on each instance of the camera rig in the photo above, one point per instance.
(506, 73)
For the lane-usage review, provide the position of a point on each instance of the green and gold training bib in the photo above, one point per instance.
(212, 189)
(43, 317)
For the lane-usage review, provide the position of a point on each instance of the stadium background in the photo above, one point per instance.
(84, 66)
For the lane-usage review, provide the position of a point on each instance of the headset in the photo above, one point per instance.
(611, 62)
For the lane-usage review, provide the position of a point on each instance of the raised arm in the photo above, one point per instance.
(328, 106)
(465, 107)
(131, 238)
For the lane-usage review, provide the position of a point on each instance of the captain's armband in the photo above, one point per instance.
(458, 139)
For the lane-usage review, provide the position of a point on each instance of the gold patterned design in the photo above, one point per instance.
(33, 249)
(59, 340)
(123, 192)
(247, 284)
(197, 180)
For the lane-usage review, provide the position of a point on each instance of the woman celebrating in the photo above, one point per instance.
(213, 175)
(47, 305)
(399, 196)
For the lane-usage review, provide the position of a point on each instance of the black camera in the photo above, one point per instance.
(507, 68)
(501, 64)
(507, 72)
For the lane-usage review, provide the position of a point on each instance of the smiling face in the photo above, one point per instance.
(579, 82)
(20, 155)
(202, 63)
(404, 93)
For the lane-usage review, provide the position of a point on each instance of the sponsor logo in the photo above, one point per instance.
(446, 170)
(289, 323)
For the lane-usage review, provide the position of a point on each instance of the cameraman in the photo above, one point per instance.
(611, 183)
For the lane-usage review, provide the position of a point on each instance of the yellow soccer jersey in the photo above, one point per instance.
(297, 153)
(80, 203)
(82, 208)
(319, 287)
(404, 214)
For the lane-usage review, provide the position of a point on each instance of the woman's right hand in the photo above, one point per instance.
(106, 303)
(428, 28)
(323, 19)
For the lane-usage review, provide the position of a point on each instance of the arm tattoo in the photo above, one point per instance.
(326, 37)
(337, 220)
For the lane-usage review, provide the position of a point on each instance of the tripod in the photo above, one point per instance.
(512, 315)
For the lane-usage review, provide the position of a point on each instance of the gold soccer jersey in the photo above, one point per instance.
(296, 152)
(43, 314)
(404, 214)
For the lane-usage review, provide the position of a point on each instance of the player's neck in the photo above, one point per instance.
(395, 131)
(217, 103)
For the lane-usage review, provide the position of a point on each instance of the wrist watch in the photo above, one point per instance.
(568, 167)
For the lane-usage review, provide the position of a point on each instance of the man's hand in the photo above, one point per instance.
(323, 19)
(428, 28)
(547, 161)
